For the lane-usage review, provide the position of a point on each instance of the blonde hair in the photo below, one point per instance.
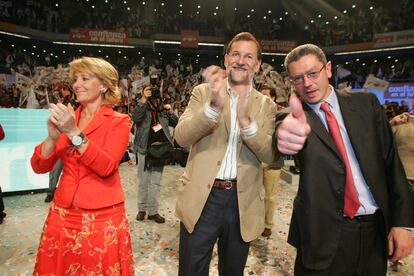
(101, 69)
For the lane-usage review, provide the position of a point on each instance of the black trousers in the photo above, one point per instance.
(219, 220)
(361, 250)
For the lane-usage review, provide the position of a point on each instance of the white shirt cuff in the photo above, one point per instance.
(250, 131)
(211, 113)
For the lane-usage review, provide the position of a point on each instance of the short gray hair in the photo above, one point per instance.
(303, 50)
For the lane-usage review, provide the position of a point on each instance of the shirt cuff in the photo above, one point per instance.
(211, 113)
(250, 131)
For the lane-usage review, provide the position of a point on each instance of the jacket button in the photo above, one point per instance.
(209, 186)
(219, 163)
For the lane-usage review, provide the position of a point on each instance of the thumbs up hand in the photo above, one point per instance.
(293, 131)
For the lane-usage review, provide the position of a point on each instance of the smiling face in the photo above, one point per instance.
(242, 62)
(88, 88)
(314, 86)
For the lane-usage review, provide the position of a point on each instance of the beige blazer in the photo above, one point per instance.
(404, 137)
(208, 141)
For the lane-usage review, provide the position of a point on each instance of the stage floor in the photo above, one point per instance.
(155, 246)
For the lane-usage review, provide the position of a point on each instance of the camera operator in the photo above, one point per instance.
(152, 120)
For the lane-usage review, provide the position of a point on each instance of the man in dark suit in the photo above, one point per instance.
(352, 208)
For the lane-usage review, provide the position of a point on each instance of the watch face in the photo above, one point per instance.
(77, 140)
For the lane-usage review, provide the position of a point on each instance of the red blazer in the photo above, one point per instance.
(90, 180)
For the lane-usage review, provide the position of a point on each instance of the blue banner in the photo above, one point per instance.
(24, 129)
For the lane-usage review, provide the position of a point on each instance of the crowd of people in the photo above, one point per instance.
(33, 14)
(37, 83)
(175, 76)
(397, 69)
(357, 25)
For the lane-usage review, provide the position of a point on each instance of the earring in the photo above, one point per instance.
(103, 90)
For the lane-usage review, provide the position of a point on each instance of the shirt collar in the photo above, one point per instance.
(230, 91)
(332, 100)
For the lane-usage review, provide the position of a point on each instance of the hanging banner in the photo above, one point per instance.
(98, 36)
(400, 90)
(189, 39)
(278, 45)
(399, 38)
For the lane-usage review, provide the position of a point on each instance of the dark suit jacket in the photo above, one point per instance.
(318, 207)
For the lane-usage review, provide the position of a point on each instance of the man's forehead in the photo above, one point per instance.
(308, 58)
(307, 62)
(244, 46)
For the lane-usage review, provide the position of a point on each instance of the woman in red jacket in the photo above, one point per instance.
(86, 231)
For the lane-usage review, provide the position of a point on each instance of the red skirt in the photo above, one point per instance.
(85, 242)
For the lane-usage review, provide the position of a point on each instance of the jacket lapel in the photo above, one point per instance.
(353, 120)
(253, 107)
(99, 119)
(254, 104)
(319, 129)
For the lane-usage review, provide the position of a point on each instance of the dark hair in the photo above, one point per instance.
(303, 50)
(245, 36)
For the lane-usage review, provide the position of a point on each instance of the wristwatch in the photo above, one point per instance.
(78, 140)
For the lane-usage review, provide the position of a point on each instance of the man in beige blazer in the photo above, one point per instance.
(229, 126)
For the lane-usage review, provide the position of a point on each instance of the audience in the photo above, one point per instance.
(141, 21)
(35, 84)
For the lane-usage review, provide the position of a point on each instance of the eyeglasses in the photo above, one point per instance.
(310, 75)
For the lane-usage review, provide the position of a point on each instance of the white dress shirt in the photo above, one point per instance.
(228, 168)
(367, 201)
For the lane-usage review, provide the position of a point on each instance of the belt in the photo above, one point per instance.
(365, 218)
(225, 184)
